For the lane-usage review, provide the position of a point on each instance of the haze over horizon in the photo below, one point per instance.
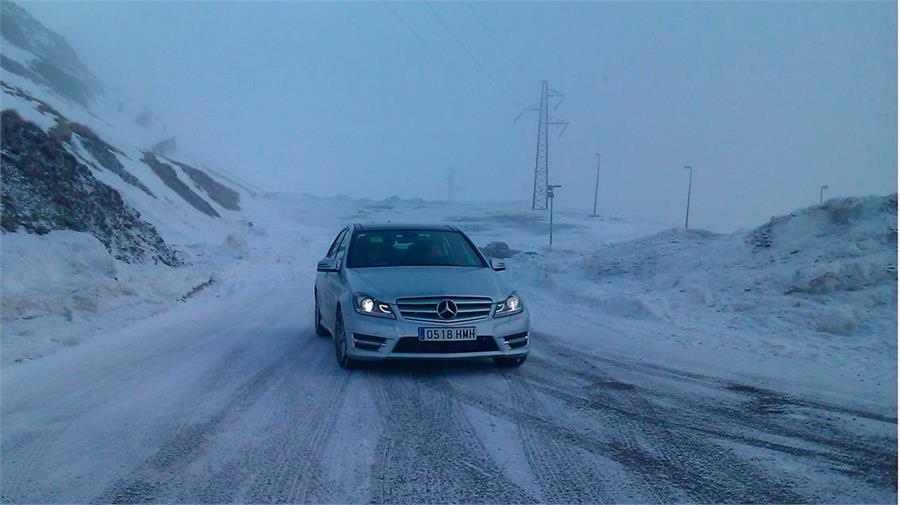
(766, 101)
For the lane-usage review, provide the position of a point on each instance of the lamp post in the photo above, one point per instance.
(596, 186)
(550, 195)
(687, 212)
(822, 192)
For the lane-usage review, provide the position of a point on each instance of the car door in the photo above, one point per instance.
(337, 280)
(325, 285)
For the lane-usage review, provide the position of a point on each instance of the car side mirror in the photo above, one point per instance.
(328, 265)
(498, 265)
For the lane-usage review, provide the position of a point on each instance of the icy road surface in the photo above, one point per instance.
(232, 398)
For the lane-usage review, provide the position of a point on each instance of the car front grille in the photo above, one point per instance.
(484, 343)
(468, 308)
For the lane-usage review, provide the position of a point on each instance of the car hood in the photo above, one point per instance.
(389, 283)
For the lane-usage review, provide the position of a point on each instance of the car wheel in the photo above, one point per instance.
(320, 330)
(340, 343)
(510, 362)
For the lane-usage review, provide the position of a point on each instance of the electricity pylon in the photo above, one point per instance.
(451, 185)
(542, 156)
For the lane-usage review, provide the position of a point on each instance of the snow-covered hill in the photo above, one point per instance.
(95, 214)
(810, 296)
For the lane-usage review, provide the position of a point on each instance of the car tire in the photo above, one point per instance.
(340, 344)
(510, 362)
(320, 330)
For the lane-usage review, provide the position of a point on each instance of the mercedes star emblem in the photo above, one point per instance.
(447, 309)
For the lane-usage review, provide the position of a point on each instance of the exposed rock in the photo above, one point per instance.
(170, 178)
(218, 192)
(104, 153)
(42, 106)
(44, 187)
(62, 131)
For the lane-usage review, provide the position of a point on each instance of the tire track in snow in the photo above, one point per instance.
(30, 451)
(562, 472)
(290, 427)
(158, 476)
(679, 455)
(429, 452)
(298, 444)
(757, 415)
(663, 472)
(93, 389)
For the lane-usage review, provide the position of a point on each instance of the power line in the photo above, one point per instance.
(463, 45)
(421, 40)
(451, 68)
(494, 39)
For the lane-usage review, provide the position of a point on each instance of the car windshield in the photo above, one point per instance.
(395, 248)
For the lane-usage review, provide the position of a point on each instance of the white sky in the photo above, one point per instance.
(766, 100)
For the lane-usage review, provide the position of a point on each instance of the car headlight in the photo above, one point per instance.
(512, 305)
(370, 306)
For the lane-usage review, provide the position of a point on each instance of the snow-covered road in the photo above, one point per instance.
(232, 398)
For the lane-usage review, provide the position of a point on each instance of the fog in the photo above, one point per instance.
(768, 101)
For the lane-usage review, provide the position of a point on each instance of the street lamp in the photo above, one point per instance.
(550, 188)
(687, 212)
(822, 193)
(596, 186)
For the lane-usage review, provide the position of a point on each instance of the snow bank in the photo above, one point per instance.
(816, 288)
(56, 274)
(62, 287)
(839, 259)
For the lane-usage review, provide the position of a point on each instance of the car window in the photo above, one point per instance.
(389, 248)
(334, 245)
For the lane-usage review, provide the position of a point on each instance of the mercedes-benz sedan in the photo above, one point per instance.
(414, 291)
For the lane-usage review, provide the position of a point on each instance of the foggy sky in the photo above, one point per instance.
(767, 101)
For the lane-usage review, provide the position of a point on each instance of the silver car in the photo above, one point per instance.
(393, 291)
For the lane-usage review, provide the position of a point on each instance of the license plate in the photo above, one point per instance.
(447, 334)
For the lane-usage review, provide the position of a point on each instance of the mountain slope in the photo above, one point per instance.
(79, 181)
(45, 188)
(43, 56)
(58, 110)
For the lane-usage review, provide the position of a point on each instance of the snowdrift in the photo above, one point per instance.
(830, 268)
(809, 297)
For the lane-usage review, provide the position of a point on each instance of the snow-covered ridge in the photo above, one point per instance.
(112, 138)
(80, 177)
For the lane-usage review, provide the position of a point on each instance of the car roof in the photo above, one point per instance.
(403, 227)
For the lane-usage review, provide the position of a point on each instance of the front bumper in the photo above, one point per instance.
(374, 338)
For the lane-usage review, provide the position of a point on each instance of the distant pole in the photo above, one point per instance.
(596, 186)
(451, 185)
(550, 195)
(822, 193)
(687, 212)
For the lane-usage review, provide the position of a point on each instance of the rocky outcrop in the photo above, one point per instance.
(105, 154)
(217, 192)
(170, 178)
(44, 187)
